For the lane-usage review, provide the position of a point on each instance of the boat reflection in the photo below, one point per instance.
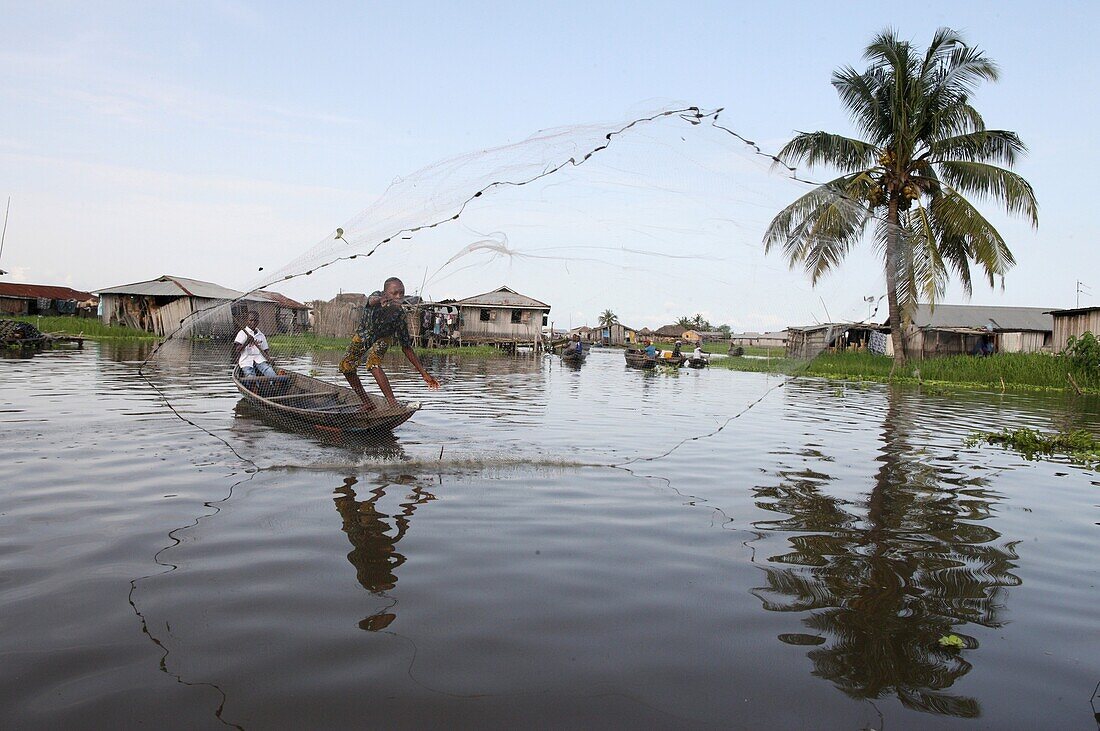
(374, 540)
(381, 446)
(883, 579)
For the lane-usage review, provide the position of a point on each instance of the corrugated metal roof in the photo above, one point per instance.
(978, 316)
(34, 291)
(504, 297)
(1073, 311)
(169, 286)
(280, 299)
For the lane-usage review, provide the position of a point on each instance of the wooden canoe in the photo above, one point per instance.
(697, 362)
(638, 359)
(302, 402)
(570, 355)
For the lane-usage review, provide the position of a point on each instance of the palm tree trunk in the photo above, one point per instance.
(893, 243)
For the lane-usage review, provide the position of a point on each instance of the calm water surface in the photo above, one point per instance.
(794, 570)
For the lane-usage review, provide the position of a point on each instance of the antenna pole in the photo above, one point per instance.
(4, 233)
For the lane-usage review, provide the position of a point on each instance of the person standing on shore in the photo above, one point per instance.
(383, 323)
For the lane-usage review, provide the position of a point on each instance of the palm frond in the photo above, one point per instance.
(816, 148)
(992, 182)
(963, 226)
(818, 229)
(991, 145)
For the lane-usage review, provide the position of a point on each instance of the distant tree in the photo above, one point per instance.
(695, 322)
(724, 329)
(924, 151)
(608, 318)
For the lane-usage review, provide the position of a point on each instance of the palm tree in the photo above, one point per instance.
(608, 318)
(925, 149)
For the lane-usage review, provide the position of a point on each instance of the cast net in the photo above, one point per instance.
(611, 233)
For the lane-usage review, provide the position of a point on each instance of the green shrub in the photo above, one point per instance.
(1084, 353)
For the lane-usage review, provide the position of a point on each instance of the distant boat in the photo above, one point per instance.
(300, 402)
(697, 362)
(638, 359)
(570, 354)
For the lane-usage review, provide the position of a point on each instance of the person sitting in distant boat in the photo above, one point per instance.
(250, 349)
(382, 324)
(650, 351)
(575, 346)
(698, 353)
(676, 350)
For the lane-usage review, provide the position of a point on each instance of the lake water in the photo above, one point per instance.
(491, 566)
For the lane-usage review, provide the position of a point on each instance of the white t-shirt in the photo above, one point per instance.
(698, 353)
(253, 352)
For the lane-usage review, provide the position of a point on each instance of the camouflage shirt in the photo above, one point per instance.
(383, 322)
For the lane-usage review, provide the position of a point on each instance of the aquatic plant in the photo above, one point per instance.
(1079, 444)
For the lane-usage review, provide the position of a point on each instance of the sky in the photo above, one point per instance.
(210, 139)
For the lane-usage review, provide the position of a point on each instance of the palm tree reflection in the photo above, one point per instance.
(374, 549)
(883, 579)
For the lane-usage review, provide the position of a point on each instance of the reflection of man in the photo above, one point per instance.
(374, 553)
(250, 348)
(382, 324)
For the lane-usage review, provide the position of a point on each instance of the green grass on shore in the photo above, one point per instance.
(1018, 371)
(88, 327)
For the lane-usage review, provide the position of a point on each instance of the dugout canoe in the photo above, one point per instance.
(570, 355)
(638, 359)
(697, 362)
(298, 401)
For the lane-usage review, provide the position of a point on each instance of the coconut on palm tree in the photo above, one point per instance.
(924, 153)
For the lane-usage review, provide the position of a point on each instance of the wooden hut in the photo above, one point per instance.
(669, 332)
(810, 340)
(195, 308)
(502, 317)
(39, 299)
(614, 334)
(961, 329)
(279, 314)
(586, 334)
(340, 317)
(1073, 323)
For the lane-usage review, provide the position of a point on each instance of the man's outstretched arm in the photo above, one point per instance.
(428, 378)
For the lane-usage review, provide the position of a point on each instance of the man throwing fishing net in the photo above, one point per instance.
(382, 324)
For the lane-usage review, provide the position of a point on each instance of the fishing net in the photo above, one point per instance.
(511, 251)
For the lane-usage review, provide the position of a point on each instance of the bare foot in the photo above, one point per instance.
(367, 406)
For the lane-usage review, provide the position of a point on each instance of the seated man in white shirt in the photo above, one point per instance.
(698, 353)
(250, 349)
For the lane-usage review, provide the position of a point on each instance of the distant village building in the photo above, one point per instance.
(777, 339)
(809, 341)
(167, 304)
(669, 332)
(1073, 323)
(944, 330)
(585, 334)
(39, 299)
(502, 317)
(961, 330)
(614, 334)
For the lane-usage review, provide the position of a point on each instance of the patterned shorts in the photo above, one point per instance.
(358, 353)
